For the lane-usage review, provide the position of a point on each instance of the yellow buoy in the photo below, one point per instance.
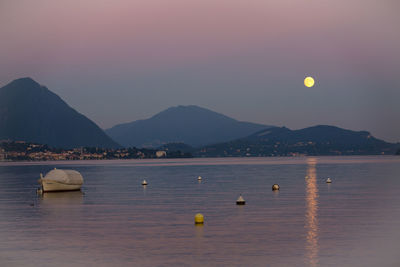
(309, 81)
(198, 218)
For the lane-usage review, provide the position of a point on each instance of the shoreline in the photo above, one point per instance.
(328, 159)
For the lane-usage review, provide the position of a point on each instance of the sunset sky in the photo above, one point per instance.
(119, 61)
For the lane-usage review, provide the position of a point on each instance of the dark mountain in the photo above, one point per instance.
(30, 112)
(317, 140)
(191, 125)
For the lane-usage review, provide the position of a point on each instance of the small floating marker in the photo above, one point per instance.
(240, 201)
(199, 218)
(199, 178)
(144, 182)
(275, 187)
(328, 181)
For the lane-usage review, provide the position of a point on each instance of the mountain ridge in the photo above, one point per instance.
(31, 112)
(192, 125)
(314, 140)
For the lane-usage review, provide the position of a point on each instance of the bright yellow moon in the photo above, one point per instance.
(309, 81)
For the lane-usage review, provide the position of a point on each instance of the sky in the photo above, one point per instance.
(119, 61)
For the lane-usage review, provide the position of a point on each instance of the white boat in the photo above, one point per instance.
(61, 180)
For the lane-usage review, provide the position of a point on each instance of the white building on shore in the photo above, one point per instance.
(161, 154)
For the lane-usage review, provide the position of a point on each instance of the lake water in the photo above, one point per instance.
(114, 221)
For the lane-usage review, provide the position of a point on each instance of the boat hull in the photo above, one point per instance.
(51, 186)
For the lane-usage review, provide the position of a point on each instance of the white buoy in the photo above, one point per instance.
(199, 178)
(328, 181)
(275, 187)
(240, 201)
(144, 182)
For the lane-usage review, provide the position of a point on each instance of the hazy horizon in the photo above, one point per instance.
(117, 62)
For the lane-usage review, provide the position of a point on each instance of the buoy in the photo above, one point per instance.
(144, 182)
(275, 187)
(199, 178)
(199, 218)
(39, 191)
(328, 181)
(240, 201)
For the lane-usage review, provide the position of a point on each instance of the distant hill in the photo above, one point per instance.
(317, 140)
(30, 112)
(192, 125)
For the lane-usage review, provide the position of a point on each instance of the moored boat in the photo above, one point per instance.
(61, 180)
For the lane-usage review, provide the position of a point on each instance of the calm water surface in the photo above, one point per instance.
(114, 221)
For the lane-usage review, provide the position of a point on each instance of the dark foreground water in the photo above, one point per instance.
(114, 221)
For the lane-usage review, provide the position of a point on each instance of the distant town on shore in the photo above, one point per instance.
(25, 151)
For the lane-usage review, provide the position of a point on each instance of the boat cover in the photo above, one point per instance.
(64, 176)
